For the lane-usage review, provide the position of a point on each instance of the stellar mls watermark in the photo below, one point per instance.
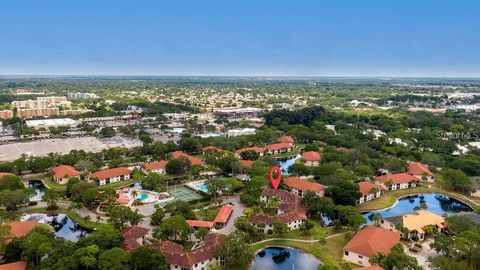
(464, 135)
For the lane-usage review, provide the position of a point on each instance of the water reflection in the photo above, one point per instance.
(39, 188)
(278, 258)
(63, 226)
(437, 203)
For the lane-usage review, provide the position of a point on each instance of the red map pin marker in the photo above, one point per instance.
(275, 181)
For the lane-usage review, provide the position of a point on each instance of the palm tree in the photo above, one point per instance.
(377, 217)
(134, 193)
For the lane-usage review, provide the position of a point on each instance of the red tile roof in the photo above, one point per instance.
(108, 173)
(206, 251)
(155, 165)
(277, 146)
(65, 171)
(130, 235)
(286, 139)
(416, 168)
(253, 148)
(366, 187)
(290, 204)
(371, 240)
(200, 223)
(397, 178)
(21, 228)
(224, 214)
(211, 149)
(168, 246)
(20, 265)
(246, 163)
(193, 160)
(373, 267)
(2, 174)
(303, 185)
(311, 156)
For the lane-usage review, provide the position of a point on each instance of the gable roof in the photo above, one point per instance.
(371, 239)
(206, 251)
(63, 171)
(193, 160)
(130, 235)
(2, 174)
(22, 228)
(223, 214)
(397, 178)
(290, 204)
(246, 163)
(311, 156)
(373, 267)
(200, 223)
(20, 265)
(416, 168)
(303, 185)
(277, 146)
(253, 148)
(155, 165)
(366, 187)
(108, 173)
(211, 149)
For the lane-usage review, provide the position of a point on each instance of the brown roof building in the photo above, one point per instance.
(198, 258)
(301, 186)
(113, 175)
(62, 173)
(193, 160)
(133, 237)
(156, 167)
(20, 265)
(290, 210)
(311, 158)
(367, 242)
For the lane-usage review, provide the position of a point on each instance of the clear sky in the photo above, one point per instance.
(241, 37)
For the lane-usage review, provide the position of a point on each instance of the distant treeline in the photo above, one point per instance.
(303, 116)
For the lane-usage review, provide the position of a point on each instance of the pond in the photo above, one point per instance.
(63, 226)
(39, 188)
(279, 258)
(285, 163)
(437, 203)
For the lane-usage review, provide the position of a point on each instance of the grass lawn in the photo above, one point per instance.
(389, 197)
(331, 252)
(120, 184)
(315, 233)
(50, 183)
(294, 152)
(89, 224)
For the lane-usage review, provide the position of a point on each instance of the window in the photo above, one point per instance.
(360, 256)
(346, 253)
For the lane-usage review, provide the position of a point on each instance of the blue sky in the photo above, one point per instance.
(247, 37)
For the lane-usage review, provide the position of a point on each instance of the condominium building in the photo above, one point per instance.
(6, 114)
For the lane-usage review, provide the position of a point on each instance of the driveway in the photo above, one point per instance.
(238, 209)
(422, 256)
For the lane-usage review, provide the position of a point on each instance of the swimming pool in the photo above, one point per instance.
(142, 196)
(203, 187)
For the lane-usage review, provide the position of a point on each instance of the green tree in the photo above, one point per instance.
(113, 259)
(122, 216)
(235, 250)
(51, 197)
(174, 227)
(156, 218)
(350, 216)
(145, 258)
(280, 227)
(201, 233)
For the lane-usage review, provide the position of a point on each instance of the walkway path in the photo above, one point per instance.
(295, 240)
